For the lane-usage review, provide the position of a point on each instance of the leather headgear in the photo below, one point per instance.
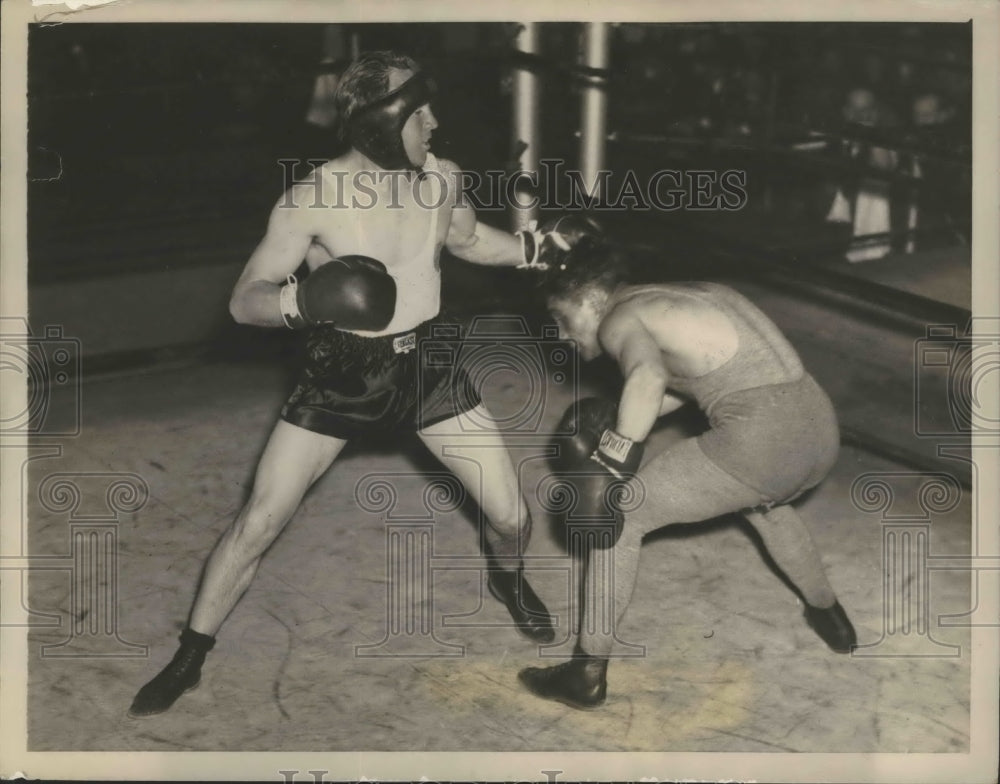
(376, 129)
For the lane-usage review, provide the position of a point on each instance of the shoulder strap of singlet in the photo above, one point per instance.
(431, 164)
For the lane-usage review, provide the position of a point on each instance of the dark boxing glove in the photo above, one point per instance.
(585, 420)
(597, 461)
(352, 292)
(546, 245)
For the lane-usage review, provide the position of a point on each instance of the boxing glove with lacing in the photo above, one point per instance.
(545, 245)
(598, 462)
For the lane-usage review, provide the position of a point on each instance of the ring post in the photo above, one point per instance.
(594, 119)
(526, 119)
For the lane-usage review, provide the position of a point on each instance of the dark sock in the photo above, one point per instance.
(196, 640)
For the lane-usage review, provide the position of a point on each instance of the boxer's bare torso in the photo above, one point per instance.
(358, 214)
(398, 218)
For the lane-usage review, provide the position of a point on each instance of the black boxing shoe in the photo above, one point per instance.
(180, 676)
(580, 683)
(833, 626)
(528, 611)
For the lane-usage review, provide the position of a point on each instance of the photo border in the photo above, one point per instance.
(977, 765)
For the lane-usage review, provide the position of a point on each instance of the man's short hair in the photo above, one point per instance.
(591, 264)
(366, 80)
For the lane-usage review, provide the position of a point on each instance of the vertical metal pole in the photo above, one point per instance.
(913, 210)
(594, 114)
(322, 112)
(769, 132)
(526, 118)
(333, 41)
(355, 44)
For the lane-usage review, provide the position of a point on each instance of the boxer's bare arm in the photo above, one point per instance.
(485, 245)
(255, 296)
(625, 338)
(471, 240)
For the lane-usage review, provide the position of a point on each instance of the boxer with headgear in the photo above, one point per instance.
(377, 128)
(369, 303)
(773, 435)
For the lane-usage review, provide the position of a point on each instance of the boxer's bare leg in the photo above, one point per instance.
(292, 460)
(471, 446)
(478, 456)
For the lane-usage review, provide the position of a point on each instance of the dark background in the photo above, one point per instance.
(138, 124)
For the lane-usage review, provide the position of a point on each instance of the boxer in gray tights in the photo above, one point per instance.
(773, 435)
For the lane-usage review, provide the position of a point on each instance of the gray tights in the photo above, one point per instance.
(682, 485)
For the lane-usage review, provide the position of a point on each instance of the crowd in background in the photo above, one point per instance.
(745, 78)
